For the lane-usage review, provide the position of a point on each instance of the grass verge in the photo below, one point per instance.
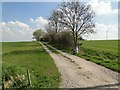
(18, 57)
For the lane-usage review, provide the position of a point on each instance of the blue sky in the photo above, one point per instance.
(23, 11)
(18, 16)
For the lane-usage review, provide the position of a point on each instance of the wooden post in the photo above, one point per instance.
(3, 81)
(29, 80)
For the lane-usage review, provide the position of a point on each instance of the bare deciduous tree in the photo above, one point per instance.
(78, 18)
(54, 24)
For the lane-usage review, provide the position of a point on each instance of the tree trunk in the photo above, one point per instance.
(56, 29)
(75, 47)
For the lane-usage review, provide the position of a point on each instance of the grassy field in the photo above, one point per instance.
(18, 57)
(103, 52)
(110, 46)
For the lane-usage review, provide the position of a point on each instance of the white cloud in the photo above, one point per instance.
(102, 31)
(16, 31)
(102, 7)
(19, 31)
(39, 22)
(15, 25)
(106, 18)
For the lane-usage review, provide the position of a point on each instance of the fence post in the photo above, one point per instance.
(29, 80)
(3, 83)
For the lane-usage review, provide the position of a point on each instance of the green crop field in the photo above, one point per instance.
(18, 57)
(103, 52)
(102, 45)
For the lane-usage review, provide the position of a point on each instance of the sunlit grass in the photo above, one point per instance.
(30, 55)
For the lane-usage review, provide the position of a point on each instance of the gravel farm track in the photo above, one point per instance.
(80, 73)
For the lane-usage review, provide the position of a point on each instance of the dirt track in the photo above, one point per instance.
(79, 73)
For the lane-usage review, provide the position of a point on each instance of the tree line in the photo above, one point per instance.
(68, 24)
